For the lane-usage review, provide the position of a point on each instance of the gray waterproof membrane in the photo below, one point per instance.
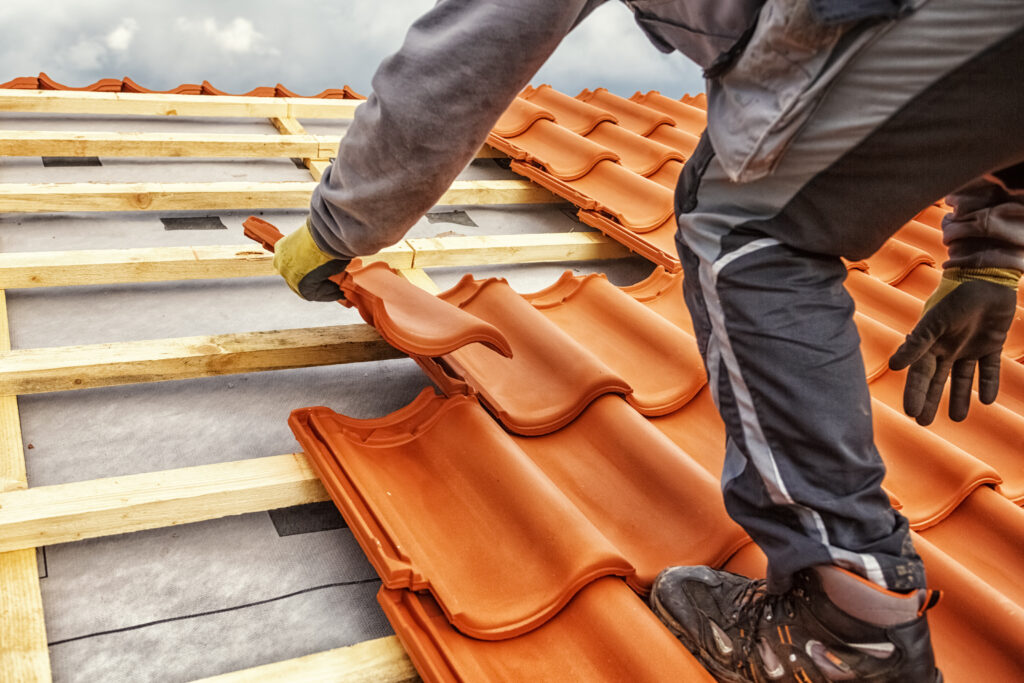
(183, 602)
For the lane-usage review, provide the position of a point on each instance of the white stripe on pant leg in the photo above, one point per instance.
(714, 364)
(719, 346)
(720, 349)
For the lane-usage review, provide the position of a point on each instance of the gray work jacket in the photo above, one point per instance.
(464, 61)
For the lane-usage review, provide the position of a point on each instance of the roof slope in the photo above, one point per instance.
(508, 534)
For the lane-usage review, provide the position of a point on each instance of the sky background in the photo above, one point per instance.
(308, 45)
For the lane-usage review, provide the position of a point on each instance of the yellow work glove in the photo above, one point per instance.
(964, 325)
(306, 268)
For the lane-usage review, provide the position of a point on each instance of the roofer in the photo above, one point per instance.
(831, 124)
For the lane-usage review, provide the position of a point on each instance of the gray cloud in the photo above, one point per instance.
(308, 45)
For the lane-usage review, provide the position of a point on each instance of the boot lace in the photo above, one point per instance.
(753, 607)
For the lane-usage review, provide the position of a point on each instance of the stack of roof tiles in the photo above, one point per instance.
(517, 520)
(44, 82)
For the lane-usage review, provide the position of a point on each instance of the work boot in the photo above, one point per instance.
(831, 625)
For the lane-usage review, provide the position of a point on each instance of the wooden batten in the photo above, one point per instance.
(225, 196)
(33, 371)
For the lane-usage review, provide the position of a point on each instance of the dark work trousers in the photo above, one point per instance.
(933, 103)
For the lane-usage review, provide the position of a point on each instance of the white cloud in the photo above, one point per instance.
(121, 37)
(608, 50)
(237, 36)
(86, 54)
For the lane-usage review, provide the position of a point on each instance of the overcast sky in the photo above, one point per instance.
(308, 45)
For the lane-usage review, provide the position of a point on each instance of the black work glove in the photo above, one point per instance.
(964, 325)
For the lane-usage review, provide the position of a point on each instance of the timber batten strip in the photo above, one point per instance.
(58, 197)
(24, 655)
(158, 264)
(477, 250)
(290, 127)
(62, 513)
(382, 660)
(64, 144)
(20, 270)
(146, 104)
(33, 371)
(318, 148)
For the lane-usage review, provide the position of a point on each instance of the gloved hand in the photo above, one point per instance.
(306, 268)
(964, 324)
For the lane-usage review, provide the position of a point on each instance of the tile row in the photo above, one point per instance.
(976, 627)
(427, 490)
(582, 497)
(604, 634)
(44, 82)
(617, 159)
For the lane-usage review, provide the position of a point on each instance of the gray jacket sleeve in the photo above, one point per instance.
(433, 103)
(986, 228)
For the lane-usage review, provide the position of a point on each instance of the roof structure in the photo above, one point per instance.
(517, 510)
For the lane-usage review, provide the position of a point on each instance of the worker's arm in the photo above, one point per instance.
(965, 321)
(433, 103)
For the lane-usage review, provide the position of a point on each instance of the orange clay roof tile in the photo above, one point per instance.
(877, 343)
(652, 500)
(920, 282)
(559, 151)
(637, 153)
(639, 204)
(408, 318)
(657, 245)
(990, 433)
(884, 303)
(441, 498)
(411, 319)
(977, 632)
(1011, 386)
(519, 116)
(668, 175)
(623, 641)
(44, 82)
(618, 330)
(986, 535)
(629, 502)
(576, 115)
(675, 138)
(698, 431)
(894, 261)
(627, 190)
(662, 292)
(601, 323)
(550, 378)
(924, 237)
(699, 100)
(932, 216)
(631, 116)
(928, 489)
(685, 116)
